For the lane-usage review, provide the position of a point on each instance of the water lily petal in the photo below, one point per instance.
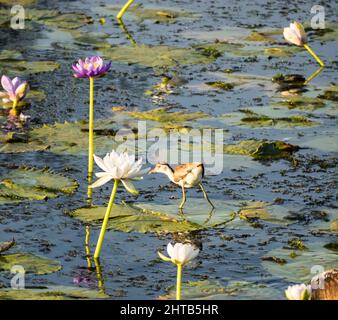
(163, 257)
(100, 163)
(7, 84)
(129, 186)
(100, 182)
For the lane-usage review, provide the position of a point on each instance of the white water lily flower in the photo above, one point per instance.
(119, 167)
(295, 34)
(299, 292)
(180, 253)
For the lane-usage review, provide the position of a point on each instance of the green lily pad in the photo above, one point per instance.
(70, 138)
(20, 2)
(334, 225)
(22, 184)
(4, 246)
(31, 263)
(220, 85)
(51, 293)
(298, 266)
(28, 67)
(330, 94)
(36, 95)
(264, 211)
(214, 290)
(254, 120)
(261, 149)
(332, 246)
(67, 20)
(195, 290)
(300, 102)
(196, 210)
(13, 142)
(128, 218)
(244, 290)
(158, 14)
(155, 56)
(245, 49)
(10, 55)
(162, 115)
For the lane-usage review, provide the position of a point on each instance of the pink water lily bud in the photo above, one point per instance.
(295, 34)
(15, 90)
(90, 67)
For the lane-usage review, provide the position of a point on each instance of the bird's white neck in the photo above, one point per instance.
(168, 171)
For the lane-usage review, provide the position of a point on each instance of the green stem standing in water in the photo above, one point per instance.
(306, 46)
(124, 9)
(105, 220)
(91, 126)
(179, 281)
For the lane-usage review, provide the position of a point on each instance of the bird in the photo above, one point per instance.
(187, 175)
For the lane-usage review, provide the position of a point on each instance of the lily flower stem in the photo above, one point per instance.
(306, 46)
(90, 190)
(89, 260)
(15, 104)
(179, 281)
(100, 280)
(105, 220)
(91, 127)
(124, 9)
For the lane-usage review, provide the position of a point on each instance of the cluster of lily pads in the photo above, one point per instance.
(123, 167)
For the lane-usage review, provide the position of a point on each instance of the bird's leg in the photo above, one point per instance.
(206, 195)
(184, 198)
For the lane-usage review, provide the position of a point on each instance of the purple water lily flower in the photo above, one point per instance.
(90, 67)
(15, 90)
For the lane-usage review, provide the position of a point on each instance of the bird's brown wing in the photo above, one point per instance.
(182, 170)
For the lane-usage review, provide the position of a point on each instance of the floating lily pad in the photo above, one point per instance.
(128, 218)
(334, 225)
(220, 85)
(244, 290)
(51, 293)
(213, 290)
(162, 115)
(20, 2)
(196, 210)
(67, 20)
(195, 290)
(253, 119)
(36, 95)
(31, 263)
(28, 67)
(330, 94)
(70, 138)
(298, 266)
(10, 55)
(264, 211)
(158, 14)
(261, 149)
(155, 56)
(4, 246)
(22, 184)
(300, 102)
